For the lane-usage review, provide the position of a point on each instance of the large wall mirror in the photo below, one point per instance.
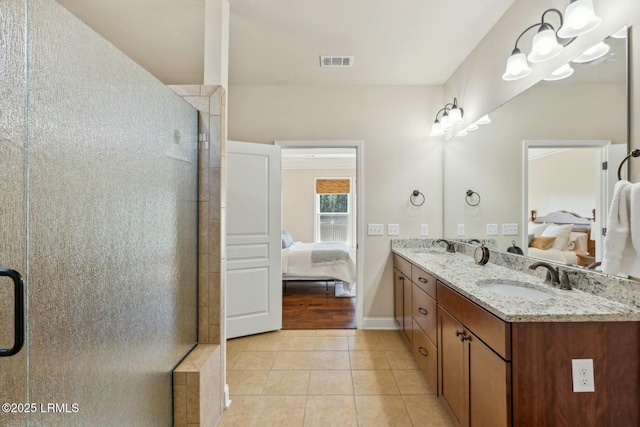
(542, 154)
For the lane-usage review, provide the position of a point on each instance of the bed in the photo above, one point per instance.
(562, 237)
(330, 261)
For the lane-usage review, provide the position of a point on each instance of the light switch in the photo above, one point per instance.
(492, 229)
(375, 229)
(393, 229)
(509, 229)
(424, 229)
(460, 229)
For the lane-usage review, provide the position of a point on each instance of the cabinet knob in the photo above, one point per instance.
(423, 351)
(462, 336)
(400, 278)
(422, 279)
(422, 311)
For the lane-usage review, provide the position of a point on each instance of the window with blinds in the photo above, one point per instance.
(333, 213)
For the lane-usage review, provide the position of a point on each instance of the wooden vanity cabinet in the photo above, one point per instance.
(402, 294)
(474, 381)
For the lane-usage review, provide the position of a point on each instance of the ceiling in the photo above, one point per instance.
(278, 42)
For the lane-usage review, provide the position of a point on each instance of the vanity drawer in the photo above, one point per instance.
(424, 312)
(423, 279)
(495, 332)
(426, 355)
(402, 265)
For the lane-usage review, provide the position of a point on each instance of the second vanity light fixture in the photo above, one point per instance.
(451, 115)
(579, 19)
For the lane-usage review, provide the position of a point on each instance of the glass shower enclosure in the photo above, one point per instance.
(98, 227)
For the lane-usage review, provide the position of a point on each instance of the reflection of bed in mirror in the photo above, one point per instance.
(563, 237)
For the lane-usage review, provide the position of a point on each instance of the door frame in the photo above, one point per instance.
(596, 144)
(359, 147)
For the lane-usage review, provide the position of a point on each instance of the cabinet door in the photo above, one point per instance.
(407, 321)
(398, 297)
(489, 386)
(452, 370)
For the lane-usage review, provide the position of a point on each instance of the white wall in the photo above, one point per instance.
(393, 122)
(298, 199)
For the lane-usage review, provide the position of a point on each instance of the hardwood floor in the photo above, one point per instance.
(306, 305)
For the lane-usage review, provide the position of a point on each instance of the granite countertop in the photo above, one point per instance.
(461, 273)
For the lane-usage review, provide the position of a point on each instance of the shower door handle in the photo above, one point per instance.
(18, 312)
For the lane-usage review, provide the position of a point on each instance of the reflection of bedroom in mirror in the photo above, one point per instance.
(319, 221)
(566, 194)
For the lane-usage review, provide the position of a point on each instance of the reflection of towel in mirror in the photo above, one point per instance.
(621, 253)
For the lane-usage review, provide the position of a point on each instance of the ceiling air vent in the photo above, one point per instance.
(336, 61)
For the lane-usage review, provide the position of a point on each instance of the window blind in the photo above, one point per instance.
(332, 186)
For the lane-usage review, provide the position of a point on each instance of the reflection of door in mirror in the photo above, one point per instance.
(565, 177)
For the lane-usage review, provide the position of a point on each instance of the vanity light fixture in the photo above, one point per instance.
(560, 73)
(472, 127)
(580, 18)
(483, 120)
(451, 115)
(462, 133)
(620, 34)
(593, 53)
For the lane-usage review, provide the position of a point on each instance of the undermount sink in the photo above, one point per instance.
(510, 288)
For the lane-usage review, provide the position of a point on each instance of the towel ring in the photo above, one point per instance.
(415, 194)
(634, 153)
(470, 194)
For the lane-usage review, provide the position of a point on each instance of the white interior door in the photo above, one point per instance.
(254, 270)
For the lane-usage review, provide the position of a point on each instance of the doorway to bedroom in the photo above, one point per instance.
(321, 205)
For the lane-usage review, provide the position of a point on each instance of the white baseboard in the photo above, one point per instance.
(380, 323)
(227, 400)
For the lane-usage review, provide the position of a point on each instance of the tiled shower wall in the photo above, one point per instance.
(210, 101)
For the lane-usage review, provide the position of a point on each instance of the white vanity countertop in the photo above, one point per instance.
(461, 273)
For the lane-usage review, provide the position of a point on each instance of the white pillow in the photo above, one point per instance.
(562, 233)
(537, 229)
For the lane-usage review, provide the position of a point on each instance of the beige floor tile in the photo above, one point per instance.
(299, 333)
(426, 411)
(286, 360)
(246, 382)
(252, 360)
(365, 342)
(332, 332)
(401, 360)
(287, 382)
(369, 359)
(240, 413)
(324, 411)
(393, 340)
(281, 411)
(411, 382)
(298, 343)
(331, 343)
(374, 382)
(331, 382)
(382, 411)
(269, 341)
(331, 360)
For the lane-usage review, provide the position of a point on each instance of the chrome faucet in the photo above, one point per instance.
(450, 247)
(555, 277)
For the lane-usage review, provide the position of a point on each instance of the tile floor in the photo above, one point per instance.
(341, 377)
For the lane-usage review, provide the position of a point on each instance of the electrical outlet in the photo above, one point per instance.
(460, 229)
(375, 229)
(509, 229)
(582, 374)
(424, 229)
(393, 229)
(492, 229)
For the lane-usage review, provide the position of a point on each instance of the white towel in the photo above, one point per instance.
(621, 253)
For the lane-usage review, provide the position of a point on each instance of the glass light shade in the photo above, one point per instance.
(593, 53)
(545, 45)
(445, 122)
(620, 34)
(483, 120)
(472, 127)
(436, 129)
(455, 116)
(462, 133)
(517, 66)
(579, 18)
(560, 73)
